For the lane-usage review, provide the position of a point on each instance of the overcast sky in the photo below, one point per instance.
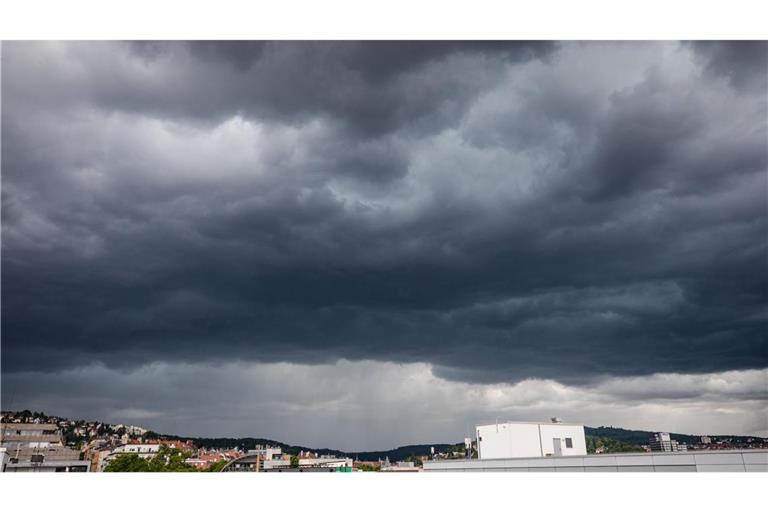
(360, 245)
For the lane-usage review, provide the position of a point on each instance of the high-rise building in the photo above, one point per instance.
(663, 442)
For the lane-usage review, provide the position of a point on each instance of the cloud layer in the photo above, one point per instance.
(496, 211)
(367, 405)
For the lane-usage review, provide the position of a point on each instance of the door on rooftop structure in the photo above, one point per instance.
(557, 446)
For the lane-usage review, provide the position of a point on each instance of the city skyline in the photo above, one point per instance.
(364, 245)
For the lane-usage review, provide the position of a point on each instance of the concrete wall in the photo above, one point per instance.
(722, 461)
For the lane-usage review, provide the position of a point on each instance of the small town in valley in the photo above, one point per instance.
(36, 442)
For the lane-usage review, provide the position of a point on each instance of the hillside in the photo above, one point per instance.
(638, 437)
(610, 439)
(249, 443)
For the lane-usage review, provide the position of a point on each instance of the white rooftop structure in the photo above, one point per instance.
(514, 439)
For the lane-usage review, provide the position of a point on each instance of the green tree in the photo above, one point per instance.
(608, 445)
(217, 466)
(170, 459)
(166, 460)
(294, 461)
(127, 463)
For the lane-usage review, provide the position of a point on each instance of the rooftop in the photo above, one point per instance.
(719, 460)
(547, 422)
(29, 426)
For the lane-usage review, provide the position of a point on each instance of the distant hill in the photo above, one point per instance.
(402, 452)
(244, 443)
(625, 440)
(621, 440)
(638, 437)
(249, 443)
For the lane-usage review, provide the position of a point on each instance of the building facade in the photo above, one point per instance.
(663, 442)
(37, 447)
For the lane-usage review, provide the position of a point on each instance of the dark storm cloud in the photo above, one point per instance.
(743, 63)
(369, 88)
(499, 211)
(653, 139)
(376, 61)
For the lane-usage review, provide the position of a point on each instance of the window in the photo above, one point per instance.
(568, 442)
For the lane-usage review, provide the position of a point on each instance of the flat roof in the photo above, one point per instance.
(31, 438)
(694, 460)
(29, 426)
(48, 464)
(608, 455)
(530, 423)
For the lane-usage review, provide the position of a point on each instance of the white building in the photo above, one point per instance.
(530, 439)
(326, 462)
(267, 452)
(322, 462)
(135, 431)
(145, 451)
